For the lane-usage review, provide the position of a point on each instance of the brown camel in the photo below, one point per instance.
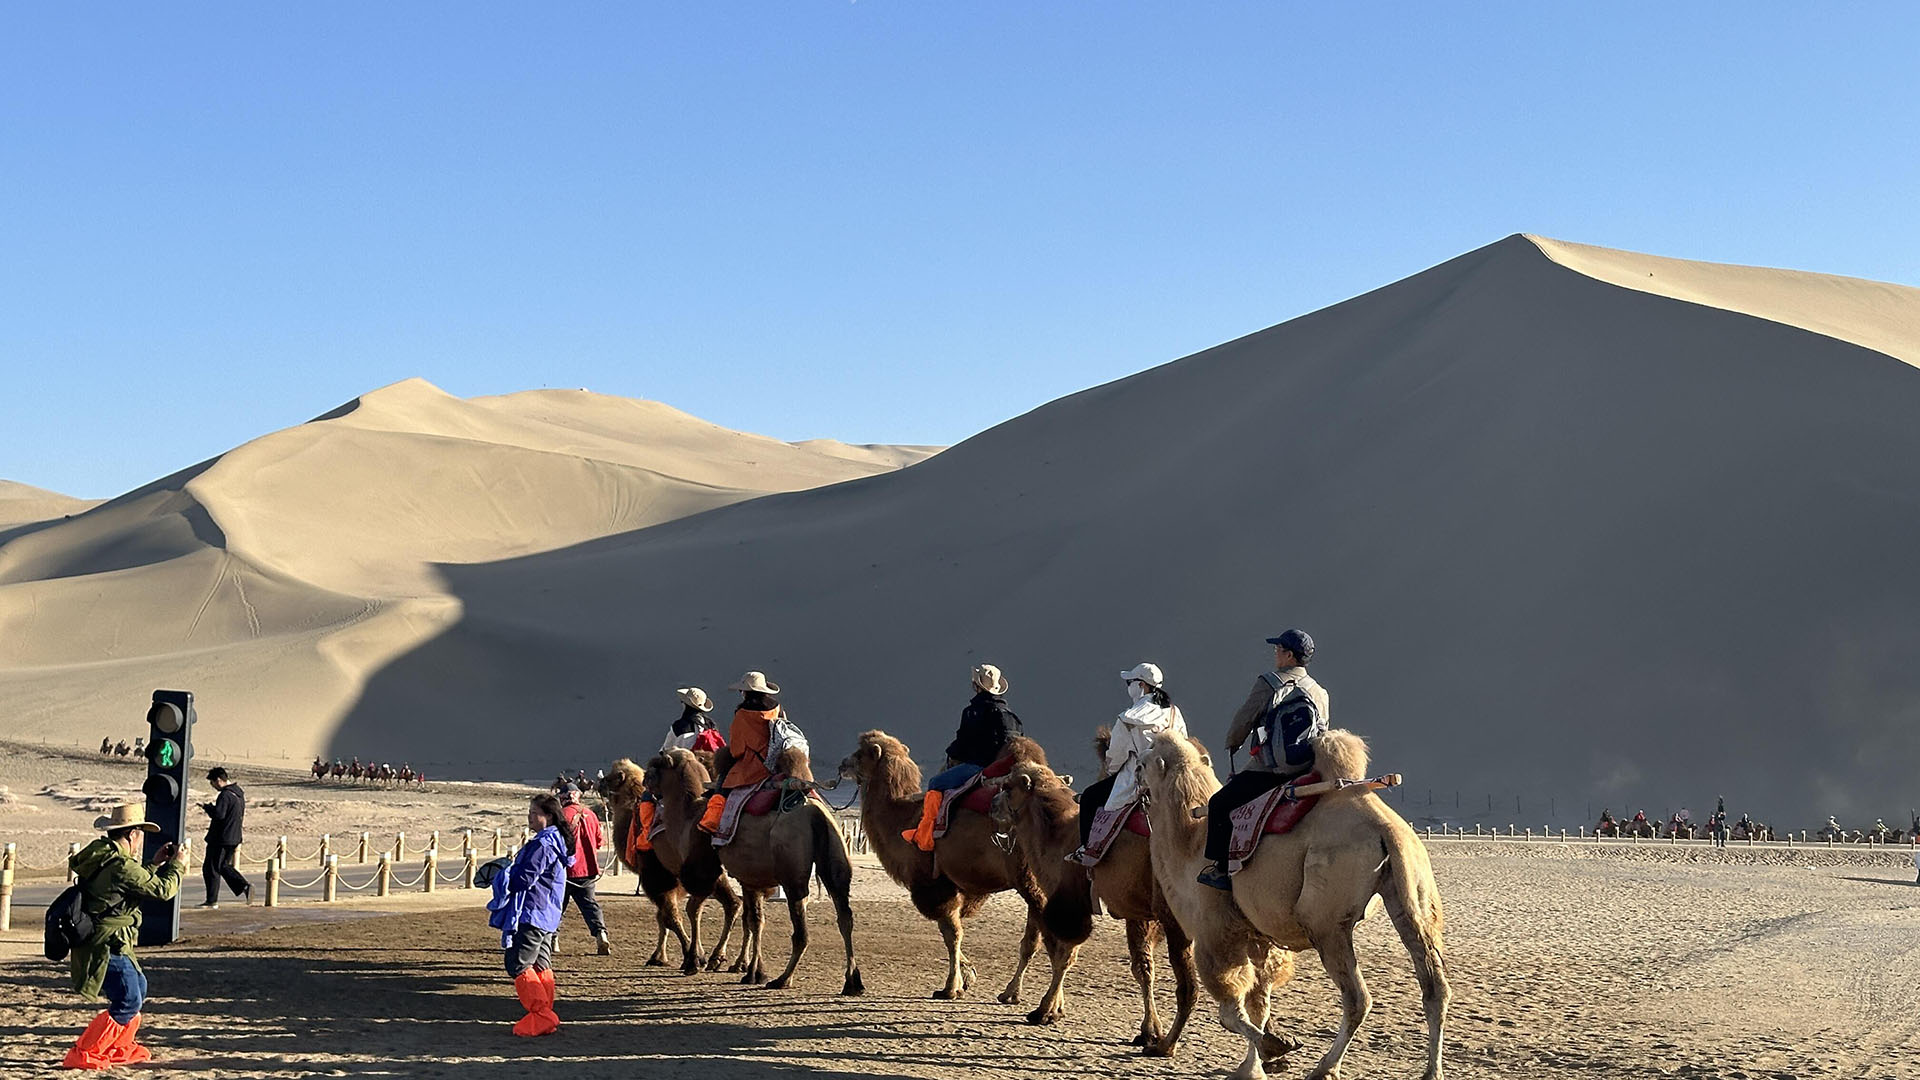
(1303, 890)
(682, 863)
(950, 883)
(1039, 810)
(781, 850)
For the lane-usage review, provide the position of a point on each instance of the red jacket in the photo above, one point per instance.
(586, 841)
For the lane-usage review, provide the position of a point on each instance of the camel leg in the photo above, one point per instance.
(1428, 967)
(1336, 955)
(668, 917)
(1053, 1004)
(797, 912)
(951, 933)
(690, 960)
(1275, 971)
(851, 984)
(1185, 987)
(1029, 943)
(729, 910)
(1141, 937)
(754, 902)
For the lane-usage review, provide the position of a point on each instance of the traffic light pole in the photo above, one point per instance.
(169, 756)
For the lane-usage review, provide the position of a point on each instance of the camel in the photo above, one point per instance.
(682, 863)
(1303, 890)
(781, 850)
(1037, 808)
(949, 884)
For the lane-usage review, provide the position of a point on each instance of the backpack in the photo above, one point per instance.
(709, 740)
(1284, 732)
(783, 735)
(68, 924)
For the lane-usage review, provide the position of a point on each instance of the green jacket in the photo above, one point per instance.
(114, 884)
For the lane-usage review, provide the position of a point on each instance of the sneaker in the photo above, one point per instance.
(246, 895)
(1217, 878)
(211, 904)
(1080, 857)
(606, 946)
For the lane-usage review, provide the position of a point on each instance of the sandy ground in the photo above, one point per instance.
(1564, 963)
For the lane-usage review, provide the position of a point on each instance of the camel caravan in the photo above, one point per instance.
(1287, 857)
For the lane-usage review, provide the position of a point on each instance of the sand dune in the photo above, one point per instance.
(1563, 543)
(273, 578)
(23, 504)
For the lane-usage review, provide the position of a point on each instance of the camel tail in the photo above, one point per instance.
(1340, 755)
(1068, 914)
(830, 859)
(1413, 900)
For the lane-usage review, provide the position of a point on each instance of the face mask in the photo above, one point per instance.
(1136, 691)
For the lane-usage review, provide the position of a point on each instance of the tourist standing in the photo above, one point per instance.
(113, 884)
(224, 816)
(583, 870)
(528, 900)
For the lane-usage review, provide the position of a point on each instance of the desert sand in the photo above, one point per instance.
(23, 504)
(1648, 963)
(1575, 529)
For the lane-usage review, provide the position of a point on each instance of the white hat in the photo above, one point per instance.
(696, 697)
(755, 681)
(1146, 673)
(988, 678)
(128, 816)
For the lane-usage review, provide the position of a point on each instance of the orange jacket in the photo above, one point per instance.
(747, 742)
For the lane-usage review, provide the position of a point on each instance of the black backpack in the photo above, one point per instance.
(68, 924)
(1283, 734)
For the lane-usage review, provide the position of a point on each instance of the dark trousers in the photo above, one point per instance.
(1241, 788)
(125, 989)
(580, 892)
(218, 867)
(1091, 802)
(532, 950)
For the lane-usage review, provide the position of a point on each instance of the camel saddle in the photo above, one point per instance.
(1109, 824)
(1271, 813)
(971, 795)
(757, 801)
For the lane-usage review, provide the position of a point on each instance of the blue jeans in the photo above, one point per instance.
(125, 989)
(953, 777)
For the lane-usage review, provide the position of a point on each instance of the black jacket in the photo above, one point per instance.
(228, 808)
(985, 726)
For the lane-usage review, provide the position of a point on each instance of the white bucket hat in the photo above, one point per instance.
(1146, 673)
(130, 815)
(696, 697)
(988, 678)
(755, 681)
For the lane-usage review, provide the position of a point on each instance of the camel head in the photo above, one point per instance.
(679, 768)
(1020, 787)
(1179, 772)
(624, 783)
(1102, 742)
(881, 764)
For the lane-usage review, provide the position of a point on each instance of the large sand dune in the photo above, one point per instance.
(1563, 542)
(1574, 528)
(274, 578)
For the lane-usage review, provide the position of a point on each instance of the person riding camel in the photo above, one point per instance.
(1282, 714)
(1152, 715)
(694, 730)
(743, 761)
(986, 725)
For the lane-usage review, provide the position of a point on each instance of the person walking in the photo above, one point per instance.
(1282, 714)
(528, 899)
(224, 816)
(113, 884)
(583, 869)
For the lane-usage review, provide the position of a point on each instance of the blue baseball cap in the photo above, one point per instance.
(1297, 642)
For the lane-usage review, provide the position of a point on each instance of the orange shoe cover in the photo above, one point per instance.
(553, 993)
(537, 999)
(921, 835)
(125, 1050)
(710, 821)
(93, 1049)
(641, 840)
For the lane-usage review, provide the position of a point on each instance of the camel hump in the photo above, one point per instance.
(1340, 755)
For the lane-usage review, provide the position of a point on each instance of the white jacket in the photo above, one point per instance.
(1133, 735)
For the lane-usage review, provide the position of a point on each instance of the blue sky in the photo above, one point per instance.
(879, 221)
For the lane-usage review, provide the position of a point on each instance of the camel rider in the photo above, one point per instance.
(1282, 714)
(1152, 715)
(986, 726)
(742, 762)
(694, 730)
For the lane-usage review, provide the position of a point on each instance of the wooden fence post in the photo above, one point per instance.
(472, 866)
(400, 847)
(326, 846)
(432, 868)
(496, 843)
(6, 888)
(280, 850)
(363, 849)
(331, 880)
(384, 875)
(273, 882)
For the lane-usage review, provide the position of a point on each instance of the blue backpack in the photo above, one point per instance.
(1283, 735)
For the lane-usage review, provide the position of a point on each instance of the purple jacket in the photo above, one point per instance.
(533, 891)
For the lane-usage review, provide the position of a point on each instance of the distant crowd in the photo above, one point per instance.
(1719, 829)
(372, 772)
(121, 749)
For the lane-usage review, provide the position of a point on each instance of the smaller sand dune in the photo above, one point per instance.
(22, 504)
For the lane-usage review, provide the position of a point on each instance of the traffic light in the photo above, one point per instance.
(169, 750)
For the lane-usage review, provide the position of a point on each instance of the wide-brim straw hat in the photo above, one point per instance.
(755, 682)
(988, 678)
(695, 697)
(126, 816)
